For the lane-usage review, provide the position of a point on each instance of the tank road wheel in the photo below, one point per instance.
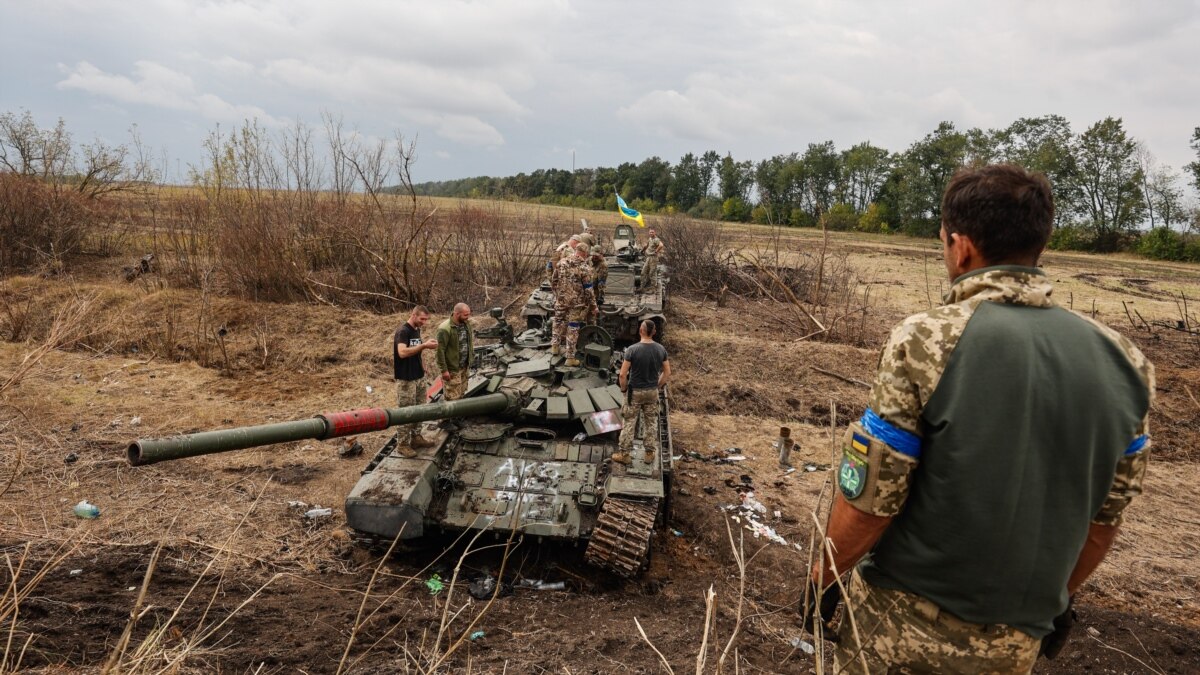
(596, 334)
(620, 542)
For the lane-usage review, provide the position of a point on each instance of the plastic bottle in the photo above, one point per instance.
(86, 509)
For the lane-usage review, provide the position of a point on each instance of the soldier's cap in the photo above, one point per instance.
(574, 237)
(582, 248)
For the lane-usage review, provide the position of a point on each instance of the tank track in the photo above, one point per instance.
(620, 541)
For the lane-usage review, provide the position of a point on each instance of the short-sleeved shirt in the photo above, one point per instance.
(409, 368)
(645, 364)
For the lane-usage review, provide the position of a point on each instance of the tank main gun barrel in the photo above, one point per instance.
(321, 427)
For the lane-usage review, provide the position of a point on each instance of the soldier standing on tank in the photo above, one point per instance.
(653, 249)
(573, 302)
(409, 372)
(1003, 438)
(561, 251)
(455, 352)
(644, 371)
(599, 277)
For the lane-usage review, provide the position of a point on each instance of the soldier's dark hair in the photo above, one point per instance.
(649, 328)
(1007, 211)
(419, 309)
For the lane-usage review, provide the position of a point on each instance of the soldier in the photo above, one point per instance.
(409, 372)
(561, 251)
(1003, 439)
(573, 302)
(455, 352)
(588, 238)
(653, 249)
(644, 371)
(599, 277)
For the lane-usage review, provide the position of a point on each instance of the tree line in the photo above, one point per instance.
(1110, 191)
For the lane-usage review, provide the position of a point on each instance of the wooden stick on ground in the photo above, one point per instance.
(843, 378)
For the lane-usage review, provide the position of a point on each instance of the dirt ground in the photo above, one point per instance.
(238, 580)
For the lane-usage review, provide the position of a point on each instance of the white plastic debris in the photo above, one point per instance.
(318, 513)
(581, 436)
(803, 645)
(370, 389)
(135, 421)
(295, 504)
(75, 573)
(750, 502)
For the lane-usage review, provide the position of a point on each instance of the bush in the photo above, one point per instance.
(802, 218)
(1071, 238)
(1162, 243)
(735, 208)
(873, 220)
(841, 218)
(41, 224)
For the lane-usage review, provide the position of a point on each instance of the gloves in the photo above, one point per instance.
(825, 605)
(1053, 643)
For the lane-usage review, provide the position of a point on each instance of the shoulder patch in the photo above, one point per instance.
(852, 474)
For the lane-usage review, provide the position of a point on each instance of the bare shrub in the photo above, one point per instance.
(40, 224)
(820, 293)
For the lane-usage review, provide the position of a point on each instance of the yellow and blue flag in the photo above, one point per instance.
(629, 213)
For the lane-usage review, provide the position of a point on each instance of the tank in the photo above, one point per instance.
(526, 449)
(625, 304)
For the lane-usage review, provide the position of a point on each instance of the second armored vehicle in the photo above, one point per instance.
(625, 303)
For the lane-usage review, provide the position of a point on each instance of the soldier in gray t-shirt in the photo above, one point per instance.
(646, 369)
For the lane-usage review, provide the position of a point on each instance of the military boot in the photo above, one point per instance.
(406, 452)
(622, 458)
(571, 363)
(418, 441)
(555, 350)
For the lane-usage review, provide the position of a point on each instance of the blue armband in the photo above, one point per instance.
(903, 442)
(1137, 445)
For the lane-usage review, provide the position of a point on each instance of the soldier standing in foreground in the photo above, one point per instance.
(987, 486)
(654, 248)
(410, 373)
(573, 302)
(455, 352)
(644, 371)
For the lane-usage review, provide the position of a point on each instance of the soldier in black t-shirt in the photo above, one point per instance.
(410, 373)
(645, 370)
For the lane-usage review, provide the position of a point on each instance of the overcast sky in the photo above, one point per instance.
(507, 86)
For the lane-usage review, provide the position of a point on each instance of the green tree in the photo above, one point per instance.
(1044, 144)
(709, 162)
(735, 178)
(922, 174)
(687, 183)
(822, 177)
(864, 169)
(1109, 181)
(1194, 167)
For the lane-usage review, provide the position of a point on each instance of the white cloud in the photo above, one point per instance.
(156, 85)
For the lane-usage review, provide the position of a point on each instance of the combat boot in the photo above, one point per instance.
(406, 452)
(622, 458)
(571, 363)
(555, 350)
(418, 441)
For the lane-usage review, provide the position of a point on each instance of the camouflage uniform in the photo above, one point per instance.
(589, 239)
(573, 302)
(561, 251)
(654, 248)
(902, 632)
(599, 277)
(883, 453)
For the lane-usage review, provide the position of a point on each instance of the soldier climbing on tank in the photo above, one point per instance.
(599, 277)
(653, 249)
(574, 302)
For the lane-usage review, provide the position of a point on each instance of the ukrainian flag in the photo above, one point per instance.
(629, 213)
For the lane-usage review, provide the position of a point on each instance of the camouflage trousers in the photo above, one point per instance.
(567, 322)
(904, 633)
(455, 387)
(645, 403)
(649, 270)
(409, 392)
